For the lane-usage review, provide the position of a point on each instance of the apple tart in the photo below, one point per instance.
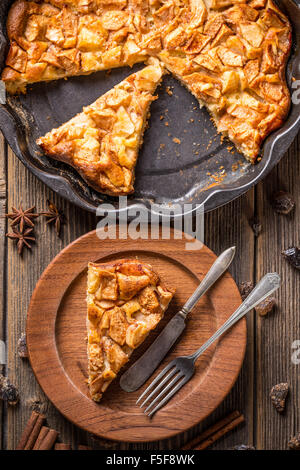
(125, 301)
(231, 54)
(232, 57)
(102, 142)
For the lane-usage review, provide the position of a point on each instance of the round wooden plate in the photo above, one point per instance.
(56, 337)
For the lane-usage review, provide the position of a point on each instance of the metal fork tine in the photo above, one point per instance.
(163, 392)
(167, 398)
(160, 385)
(162, 373)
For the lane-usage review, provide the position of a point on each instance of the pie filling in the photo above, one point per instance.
(125, 301)
(231, 54)
(102, 142)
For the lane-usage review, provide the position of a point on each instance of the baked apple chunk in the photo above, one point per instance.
(125, 301)
(102, 142)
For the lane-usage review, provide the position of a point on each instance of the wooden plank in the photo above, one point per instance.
(3, 150)
(225, 227)
(277, 331)
(23, 273)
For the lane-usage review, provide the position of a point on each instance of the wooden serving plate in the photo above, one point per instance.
(56, 337)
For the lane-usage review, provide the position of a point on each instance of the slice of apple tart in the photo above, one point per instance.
(102, 142)
(125, 301)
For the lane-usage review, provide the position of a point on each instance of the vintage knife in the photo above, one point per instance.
(141, 370)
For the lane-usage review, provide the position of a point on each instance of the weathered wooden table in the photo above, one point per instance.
(268, 358)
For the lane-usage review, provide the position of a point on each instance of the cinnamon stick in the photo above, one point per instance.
(229, 427)
(46, 439)
(81, 447)
(43, 433)
(62, 446)
(49, 440)
(31, 431)
(216, 431)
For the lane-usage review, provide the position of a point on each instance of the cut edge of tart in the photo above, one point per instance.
(102, 142)
(125, 301)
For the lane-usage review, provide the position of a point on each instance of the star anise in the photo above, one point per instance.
(54, 216)
(22, 217)
(22, 238)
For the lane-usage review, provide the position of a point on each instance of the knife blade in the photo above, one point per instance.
(141, 370)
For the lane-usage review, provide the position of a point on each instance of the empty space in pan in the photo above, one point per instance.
(181, 149)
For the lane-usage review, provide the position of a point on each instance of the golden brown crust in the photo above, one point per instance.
(16, 18)
(126, 300)
(102, 142)
(231, 54)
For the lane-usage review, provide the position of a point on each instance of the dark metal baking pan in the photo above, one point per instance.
(199, 169)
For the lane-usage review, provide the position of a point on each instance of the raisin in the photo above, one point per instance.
(8, 392)
(245, 288)
(278, 396)
(292, 255)
(294, 442)
(265, 306)
(283, 203)
(22, 346)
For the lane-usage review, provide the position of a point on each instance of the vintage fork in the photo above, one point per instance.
(181, 369)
